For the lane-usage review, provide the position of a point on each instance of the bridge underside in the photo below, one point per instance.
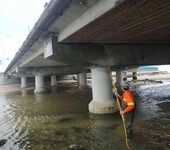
(132, 33)
(119, 56)
(132, 21)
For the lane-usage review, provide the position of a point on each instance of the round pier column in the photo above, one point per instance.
(103, 102)
(119, 77)
(53, 80)
(39, 84)
(134, 74)
(82, 80)
(23, 82)
(124, 76)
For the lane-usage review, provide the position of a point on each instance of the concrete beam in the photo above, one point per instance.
(32, 71)
(119, 56)
(91, 14)
(76, 54)
(31, 56)
(124, 55)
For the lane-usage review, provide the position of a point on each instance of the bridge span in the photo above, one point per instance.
(79, 36)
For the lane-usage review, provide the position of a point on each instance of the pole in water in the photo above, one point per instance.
(118, 103)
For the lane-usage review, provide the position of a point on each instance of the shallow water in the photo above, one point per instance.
(54, 121)
(153, 113)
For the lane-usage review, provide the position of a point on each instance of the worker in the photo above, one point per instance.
(128, 108)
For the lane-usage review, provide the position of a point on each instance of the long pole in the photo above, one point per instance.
(119, 107)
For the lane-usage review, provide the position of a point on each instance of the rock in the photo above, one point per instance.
(76, 147)
(158, 81)
(64, 119)
(2, 142)
(77, 130)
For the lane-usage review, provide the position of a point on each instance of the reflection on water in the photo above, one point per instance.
(54, 121)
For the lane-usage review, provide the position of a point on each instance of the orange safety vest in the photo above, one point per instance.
(128, 100)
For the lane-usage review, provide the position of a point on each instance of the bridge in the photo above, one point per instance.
(79, 36)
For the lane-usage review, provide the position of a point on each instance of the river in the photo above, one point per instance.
(58, 119)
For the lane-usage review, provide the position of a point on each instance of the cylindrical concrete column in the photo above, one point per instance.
(134, 75)
(23, 82)
(39, 84)
(119, 76)
(103, 101)
(82, 80)
(78, 79)
(53, 80)
(124, 76)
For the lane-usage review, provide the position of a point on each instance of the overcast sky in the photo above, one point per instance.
(16, 18)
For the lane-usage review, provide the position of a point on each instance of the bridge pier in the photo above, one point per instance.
(39, 84)
(53, 80)
(82, 80)
(103, 102)
(119, 76)
(23, 82)
(134, 75)
(124, 76)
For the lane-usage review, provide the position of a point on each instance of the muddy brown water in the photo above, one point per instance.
(58, 119)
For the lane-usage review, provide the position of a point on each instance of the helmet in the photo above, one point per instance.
(126, 85)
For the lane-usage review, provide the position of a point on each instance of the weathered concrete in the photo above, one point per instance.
(119, 56)
(53, 80)
(82, 80)
(129, 55)
(45, 71)
(103, 101)
(124, 76)
(23, 82)
(134, 76)
(119, 76)
(91, 14)
(76, 54)
(39, 84)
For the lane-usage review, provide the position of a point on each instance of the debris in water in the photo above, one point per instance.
(2, 142)
(76, 147)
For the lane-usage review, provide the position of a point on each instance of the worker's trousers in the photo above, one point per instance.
(129, 117)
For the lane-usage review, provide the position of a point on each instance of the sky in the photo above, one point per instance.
(17, 17)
